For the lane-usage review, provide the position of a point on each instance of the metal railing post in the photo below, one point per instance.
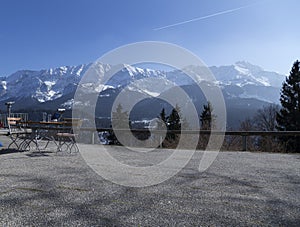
(244, 138)
(160, 141)
(93, 138)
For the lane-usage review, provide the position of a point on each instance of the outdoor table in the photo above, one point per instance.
(43, 133)
(39, 134)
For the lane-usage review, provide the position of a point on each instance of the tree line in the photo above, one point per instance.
(284, 117)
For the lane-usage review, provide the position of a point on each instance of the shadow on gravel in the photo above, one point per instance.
(45, 201)
(73, 195)
(39, 154)
(54, 202)
(8, 151)
(251, 197)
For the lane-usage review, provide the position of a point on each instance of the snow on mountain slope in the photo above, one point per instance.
(253, 81)
(243, 73)
(43, 85)
(241, 80)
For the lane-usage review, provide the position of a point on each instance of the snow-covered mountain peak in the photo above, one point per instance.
(243, 73)
(65, 70)
(42, 85)
(248, 66)
(132, 71)
(51, 84)
(247, 69)
(242, 70)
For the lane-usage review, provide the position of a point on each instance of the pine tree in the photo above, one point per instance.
(207, 118)
(120, 119)
(173, 123)
(288, 118)
(174, 119)
(163, 117)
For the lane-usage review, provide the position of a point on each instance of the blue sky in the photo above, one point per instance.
(37, 34)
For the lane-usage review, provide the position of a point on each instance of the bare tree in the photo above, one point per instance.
(265, 119)
(249, 125)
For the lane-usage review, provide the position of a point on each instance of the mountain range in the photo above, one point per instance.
(245, 87)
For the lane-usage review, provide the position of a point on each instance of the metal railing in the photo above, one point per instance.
(244, 135)
(3, 118)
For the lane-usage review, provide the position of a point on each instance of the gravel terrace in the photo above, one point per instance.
(239, 189)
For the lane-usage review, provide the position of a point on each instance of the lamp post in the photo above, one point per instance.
(9, 105)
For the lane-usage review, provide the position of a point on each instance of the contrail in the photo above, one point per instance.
(204, 17)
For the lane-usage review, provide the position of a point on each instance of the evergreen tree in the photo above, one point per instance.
(288, 118)
(207, 118)
(174, 119)
(120, 119)
(173, 123)
(162, 116)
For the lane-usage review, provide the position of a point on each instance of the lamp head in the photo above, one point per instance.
(61, 110)
(9, 103)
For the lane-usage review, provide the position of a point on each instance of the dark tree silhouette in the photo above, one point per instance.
(288, 118)
(120, 119)
(207, 118)
(172, 122)
(163, 116)
(174, 119)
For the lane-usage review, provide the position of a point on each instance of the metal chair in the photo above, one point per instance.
(67, 136)
(16, 132)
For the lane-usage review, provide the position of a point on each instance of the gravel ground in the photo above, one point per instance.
(239, 189)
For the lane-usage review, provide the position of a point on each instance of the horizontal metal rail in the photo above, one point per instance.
(238, 133)
(243, 134)
(3, 118)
